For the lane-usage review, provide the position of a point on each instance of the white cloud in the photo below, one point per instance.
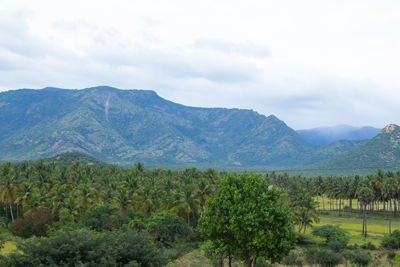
(311, 63)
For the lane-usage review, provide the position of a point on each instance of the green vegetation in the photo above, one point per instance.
(153, 217)
(70, 157)
(247, 220)
(382, 152)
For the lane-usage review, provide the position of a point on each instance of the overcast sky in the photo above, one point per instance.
(310, 63)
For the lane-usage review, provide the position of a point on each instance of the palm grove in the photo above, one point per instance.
(170, 212)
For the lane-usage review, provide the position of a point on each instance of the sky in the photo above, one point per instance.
(310, 63)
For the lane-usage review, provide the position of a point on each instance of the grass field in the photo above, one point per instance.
(326, 203)
(377, 226)
(9, 247)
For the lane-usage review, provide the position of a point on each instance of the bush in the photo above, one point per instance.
(391, 241)
(65, 217)
(167, 227)
(136, 246)
(323, 257)
(84, 247)
(4, 221)
(303, 239)
(336, 245)
(331, 233)
(347, 255)
(101, 218)
(361, 258)
(293, 259)
(35, 222)
(369, 246)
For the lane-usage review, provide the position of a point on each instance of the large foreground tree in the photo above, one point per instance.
(248, 220)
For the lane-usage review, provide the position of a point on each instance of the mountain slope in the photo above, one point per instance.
(126, 126)
(327, 135)
(70, 157)
(383, 151)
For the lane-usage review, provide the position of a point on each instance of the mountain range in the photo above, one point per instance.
(127, 126)
(381, 152)
(327, 135)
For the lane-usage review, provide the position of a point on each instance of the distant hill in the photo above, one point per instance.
(327, 135)
(127, 126)
(381, 152)
(71, 157)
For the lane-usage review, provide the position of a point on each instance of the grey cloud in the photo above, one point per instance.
(177, 63)
(16, 38)
(245, 49)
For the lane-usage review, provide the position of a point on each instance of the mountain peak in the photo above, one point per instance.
(390, 128)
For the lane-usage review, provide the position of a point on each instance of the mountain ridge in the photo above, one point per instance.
(126, 126)
(380, 152)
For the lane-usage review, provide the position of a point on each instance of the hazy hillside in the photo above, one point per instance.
(381, 152)
(327, 135)
(126, 126)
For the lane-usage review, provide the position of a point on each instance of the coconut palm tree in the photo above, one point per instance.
(389, 190)
(365, 195)
(8, 191)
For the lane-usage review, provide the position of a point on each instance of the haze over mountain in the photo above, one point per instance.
(327, 135)
(381, 152)
(126, 126)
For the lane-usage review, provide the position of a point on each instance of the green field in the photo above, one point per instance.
(9, 247)
(377, 226)
(325, 204)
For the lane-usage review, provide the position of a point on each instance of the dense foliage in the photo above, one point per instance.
(248, 220)
(109, 202)
(86, 248)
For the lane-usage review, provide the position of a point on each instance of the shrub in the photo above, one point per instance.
(303, 239)
(336, 245)
(293, 259)
(323, 257)
(391, 255)
(327, 258)
(347, 255)
(101, 218)
(368, 245)
(35, 222)
(65, 217)
(84, 247)
(167, 227)
(331, 233)
(391, 241)
(130, 246)
(361, 258)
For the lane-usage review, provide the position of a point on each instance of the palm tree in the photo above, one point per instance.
(24, 193)
(352, 190)
(189, 202)
(147, 203)
(389, 190)
(204, 191)
(86, 196)
(303, 206)
(365, 195)
(123, 200)
(8, 191)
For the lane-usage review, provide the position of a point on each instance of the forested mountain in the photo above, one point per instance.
(381, 152)
(69, 158)
(327, 135)
(126, 126)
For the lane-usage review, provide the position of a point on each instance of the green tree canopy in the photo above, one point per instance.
(248, 220)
